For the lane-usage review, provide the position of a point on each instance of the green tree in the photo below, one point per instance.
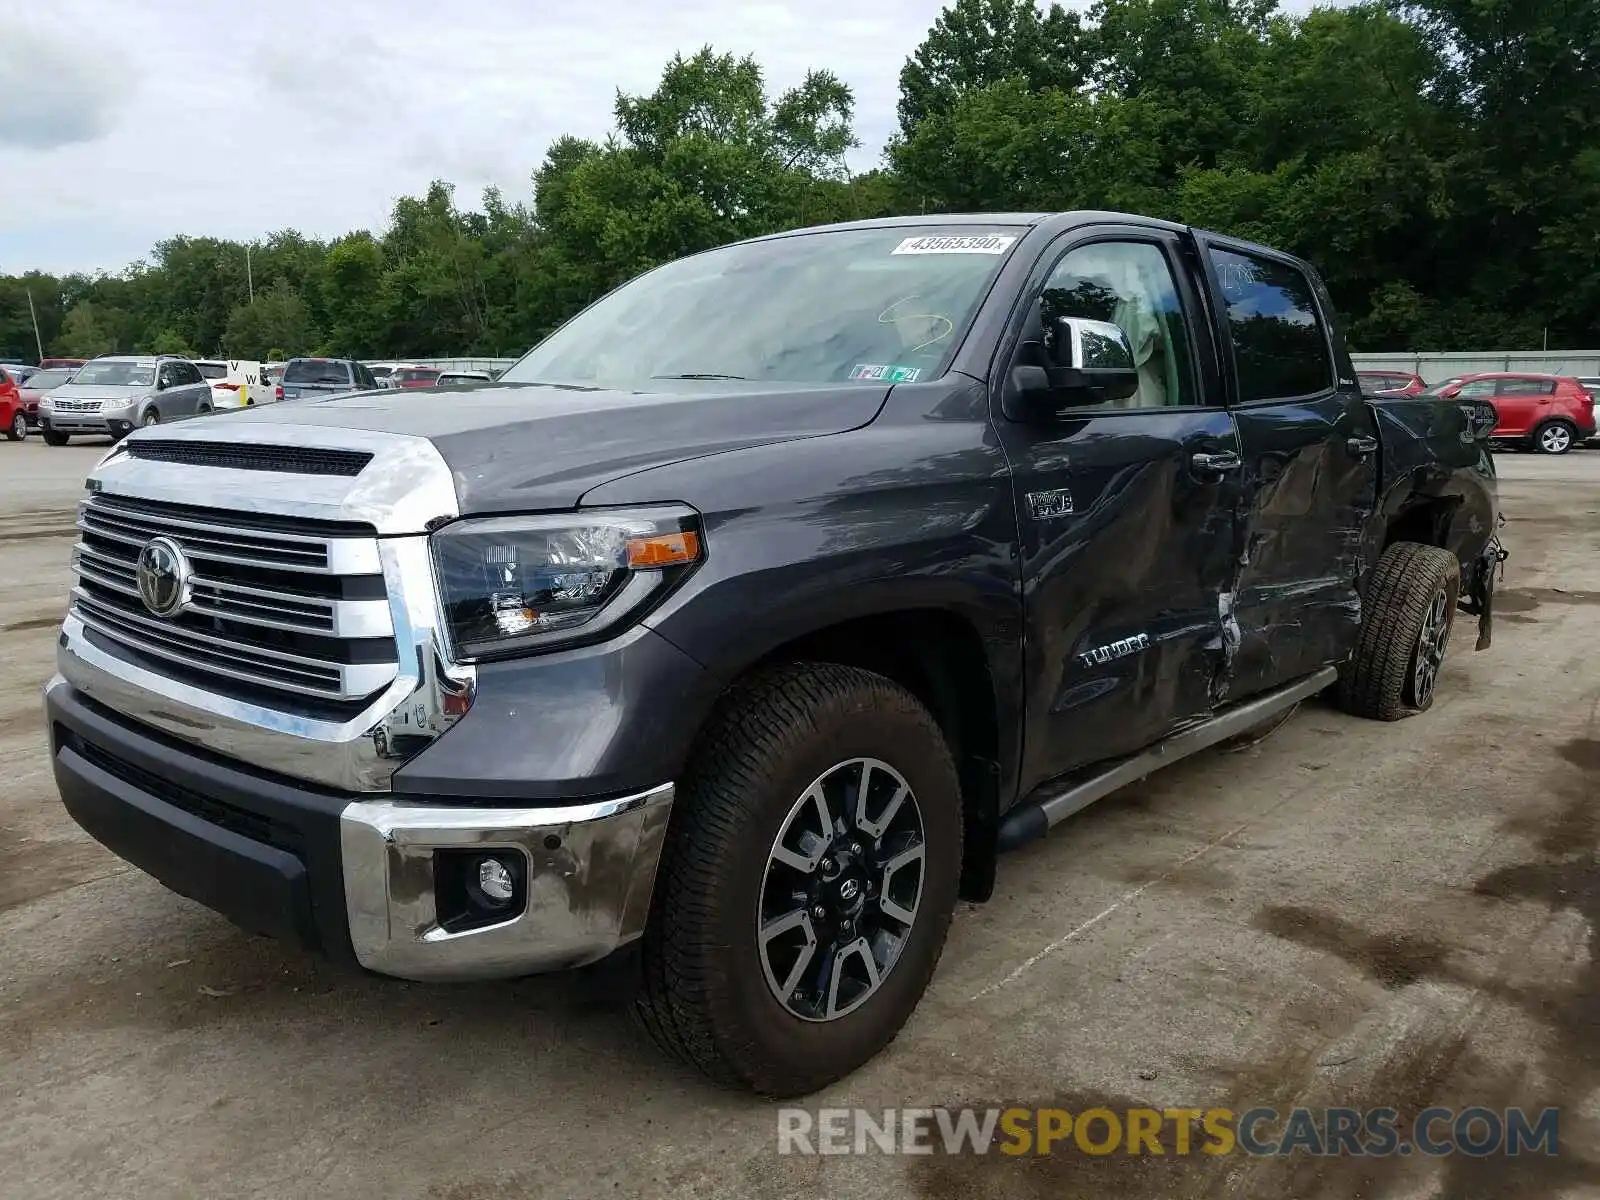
(170, 341)
(277, 318)
(976, 43)
(86, 332)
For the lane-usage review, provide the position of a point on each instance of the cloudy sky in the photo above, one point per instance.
(126, 121)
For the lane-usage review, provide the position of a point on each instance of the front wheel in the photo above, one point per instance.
(1410, 610)
(1554, 437)
(18, 429)
(151, 419)
(53, 438)
(808, 881)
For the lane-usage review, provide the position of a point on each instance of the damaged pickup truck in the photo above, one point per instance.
(753, 613)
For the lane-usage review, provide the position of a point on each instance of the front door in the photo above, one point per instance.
(1521, 402)
(1124, 512)
(1310, 475)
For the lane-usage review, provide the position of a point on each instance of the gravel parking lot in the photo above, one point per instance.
(1348, 913)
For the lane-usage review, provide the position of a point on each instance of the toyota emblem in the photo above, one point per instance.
(163, 576)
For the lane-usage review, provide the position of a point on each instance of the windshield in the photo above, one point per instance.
(213, 370)
(1438, 389)
(43, 381)
(115, 374)
(883, 304)
(311, 370)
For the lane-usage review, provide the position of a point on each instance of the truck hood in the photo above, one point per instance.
(526, 447)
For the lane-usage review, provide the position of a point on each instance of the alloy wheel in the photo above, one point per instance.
(1431, 643)
(1555, 439)
(840, 892)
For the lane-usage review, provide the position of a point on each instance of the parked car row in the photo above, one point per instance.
(1547, 413)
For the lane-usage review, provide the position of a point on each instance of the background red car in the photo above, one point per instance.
(13, 417)
(1391, 383)
(413, 377)
(1548, 413)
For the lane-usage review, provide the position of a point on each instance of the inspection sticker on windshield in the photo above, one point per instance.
(989, 243)
(885, 372)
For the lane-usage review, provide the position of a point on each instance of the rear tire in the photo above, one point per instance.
(52, 438)
(1410, 610)
(744, 827)
(18, 429)
(1554, 437)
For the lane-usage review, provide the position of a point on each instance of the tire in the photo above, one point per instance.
(53, 438)
(150, 419)
(710, 993)
(17, 431)
(1410, 611)
(203, 410)
(1554, 437)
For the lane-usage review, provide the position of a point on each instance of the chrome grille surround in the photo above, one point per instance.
(268, 661)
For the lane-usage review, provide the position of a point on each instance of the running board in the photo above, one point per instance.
(1033, 818)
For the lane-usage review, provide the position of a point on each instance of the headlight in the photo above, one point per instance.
(514, 584)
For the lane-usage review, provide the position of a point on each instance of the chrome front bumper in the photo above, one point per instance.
(591, 870)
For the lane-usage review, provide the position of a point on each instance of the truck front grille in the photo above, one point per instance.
(275, 609)
(246, 456)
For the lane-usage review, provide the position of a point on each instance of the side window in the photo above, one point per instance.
(1278, 341)
(190, 373)
(1527, 387)
(1477, 387)
(1131, 285)
(166, 377)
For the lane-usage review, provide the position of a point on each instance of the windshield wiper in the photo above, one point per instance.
(700, 375)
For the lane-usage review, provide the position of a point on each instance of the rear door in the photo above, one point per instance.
(1124, 510)
(1309, 478)
(1523, 402)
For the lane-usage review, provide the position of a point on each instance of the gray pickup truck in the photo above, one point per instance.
(753, 614)
(323, 377)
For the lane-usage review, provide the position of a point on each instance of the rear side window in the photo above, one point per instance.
(1527, 387)
(1278, 340)
(311, 370)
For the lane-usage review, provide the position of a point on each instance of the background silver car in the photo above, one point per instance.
(116, 393)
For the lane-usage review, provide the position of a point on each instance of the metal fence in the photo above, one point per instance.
(457, 364)
(1434, 366)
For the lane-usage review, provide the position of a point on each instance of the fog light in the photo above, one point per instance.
(475, 888)
(496, 881)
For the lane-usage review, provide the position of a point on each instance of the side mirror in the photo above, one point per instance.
(1085, 363)
(1482, 416)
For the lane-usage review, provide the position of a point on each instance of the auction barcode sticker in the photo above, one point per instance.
(990, 243)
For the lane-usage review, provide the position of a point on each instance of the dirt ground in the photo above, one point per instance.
(1348, 913)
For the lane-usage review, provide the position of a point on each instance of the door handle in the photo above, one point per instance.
(1225, 460)
(1362, 447)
